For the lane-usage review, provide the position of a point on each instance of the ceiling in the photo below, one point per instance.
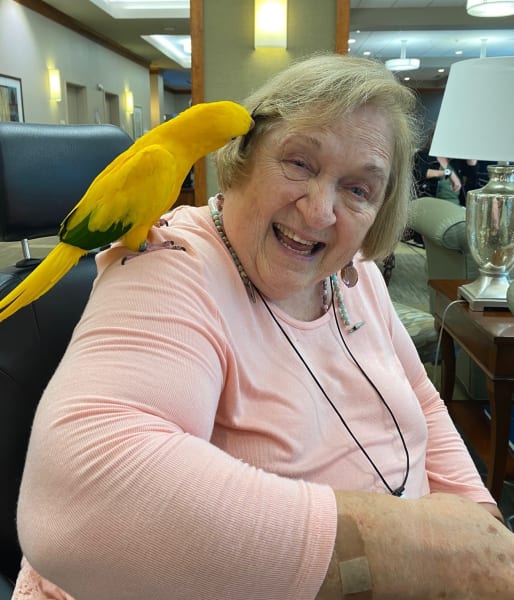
(433, 30)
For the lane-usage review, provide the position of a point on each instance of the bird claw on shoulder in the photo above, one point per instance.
(167, 245)
(162, 223)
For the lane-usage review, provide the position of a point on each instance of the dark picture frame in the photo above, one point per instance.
(11, 99)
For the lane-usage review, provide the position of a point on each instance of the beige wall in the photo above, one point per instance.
(31, 43)
(233, 68)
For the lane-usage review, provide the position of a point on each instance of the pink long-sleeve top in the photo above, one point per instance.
(182, 449)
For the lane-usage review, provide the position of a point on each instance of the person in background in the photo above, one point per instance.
(435, 176)
(449, 187)
(468, 172)
(248, 418)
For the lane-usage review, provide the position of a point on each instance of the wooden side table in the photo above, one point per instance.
(488, 338)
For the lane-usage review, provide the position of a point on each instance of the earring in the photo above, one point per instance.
(349, 275)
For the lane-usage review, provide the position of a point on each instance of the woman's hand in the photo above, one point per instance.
(492, 509)
(438, 546)
(455, 182)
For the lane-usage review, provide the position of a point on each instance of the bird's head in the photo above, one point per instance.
(210, 125)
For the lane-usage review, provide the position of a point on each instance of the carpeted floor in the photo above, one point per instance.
(11, 252)
(408, 284)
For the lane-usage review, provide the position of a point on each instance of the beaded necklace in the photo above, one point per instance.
(217, 217)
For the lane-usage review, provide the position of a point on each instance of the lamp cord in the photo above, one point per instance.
(435, 382)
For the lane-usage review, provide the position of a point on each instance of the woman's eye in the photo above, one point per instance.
(296, 169)
(359, 191)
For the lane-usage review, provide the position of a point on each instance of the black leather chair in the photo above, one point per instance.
(44, 171)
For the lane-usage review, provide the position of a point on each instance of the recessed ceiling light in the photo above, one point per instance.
(490, 8)
(144, 9)
(176, 47)
(458, 52)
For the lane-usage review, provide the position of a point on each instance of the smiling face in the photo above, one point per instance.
(308, 201)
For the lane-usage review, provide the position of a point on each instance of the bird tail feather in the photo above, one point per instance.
(53, 268)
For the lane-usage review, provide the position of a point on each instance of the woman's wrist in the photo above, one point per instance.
(409, 547)
(348, 574)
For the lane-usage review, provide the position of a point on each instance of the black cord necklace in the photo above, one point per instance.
(215, 206)
(394, 491)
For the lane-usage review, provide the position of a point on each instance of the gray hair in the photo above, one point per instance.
(313, 93)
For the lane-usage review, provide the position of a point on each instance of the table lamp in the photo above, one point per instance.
(476, 121)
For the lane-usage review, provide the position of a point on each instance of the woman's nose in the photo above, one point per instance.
(317, 205)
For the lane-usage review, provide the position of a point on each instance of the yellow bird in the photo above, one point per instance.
(132, 193)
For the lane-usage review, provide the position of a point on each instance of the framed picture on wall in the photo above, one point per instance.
(11, 100)
(138, 121)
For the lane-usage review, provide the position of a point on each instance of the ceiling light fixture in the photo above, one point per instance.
(176, 47)
(490, 8)
(483, 47)
(144, 9)
(403, 63)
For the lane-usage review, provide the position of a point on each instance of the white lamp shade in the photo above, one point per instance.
(476, 119)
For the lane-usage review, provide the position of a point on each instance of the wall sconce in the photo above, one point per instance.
(54, 80)
(129, 102)
(270, 24)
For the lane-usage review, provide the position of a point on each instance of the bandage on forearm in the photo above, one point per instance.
(348, 576)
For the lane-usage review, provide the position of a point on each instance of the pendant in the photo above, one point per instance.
(349, 275)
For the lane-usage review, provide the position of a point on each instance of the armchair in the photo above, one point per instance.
(44, 171)
(442, 225)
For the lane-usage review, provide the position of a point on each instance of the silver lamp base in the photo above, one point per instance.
(486, 292)
(490, 233)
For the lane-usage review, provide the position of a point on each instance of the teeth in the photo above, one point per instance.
(301, 252)
(292, 235)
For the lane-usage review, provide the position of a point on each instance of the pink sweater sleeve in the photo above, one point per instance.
(123, 496)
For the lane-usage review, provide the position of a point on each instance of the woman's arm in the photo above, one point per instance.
(438, 546)
(123, 495)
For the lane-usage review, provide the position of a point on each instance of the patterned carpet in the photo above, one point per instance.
(11, 252)
(408, 283)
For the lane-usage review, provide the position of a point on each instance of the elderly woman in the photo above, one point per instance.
(248, 419)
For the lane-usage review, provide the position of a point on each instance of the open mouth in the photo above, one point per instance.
(290, 240)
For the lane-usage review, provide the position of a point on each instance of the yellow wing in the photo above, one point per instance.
(133, 196)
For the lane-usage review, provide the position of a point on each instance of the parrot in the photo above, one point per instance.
(131, 194)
